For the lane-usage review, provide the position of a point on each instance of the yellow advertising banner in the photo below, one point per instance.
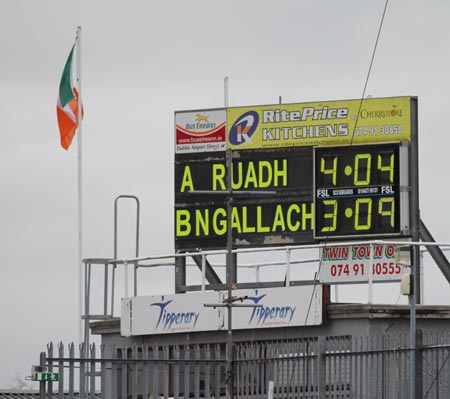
(346, 122)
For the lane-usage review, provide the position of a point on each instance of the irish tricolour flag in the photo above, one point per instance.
(67, 108)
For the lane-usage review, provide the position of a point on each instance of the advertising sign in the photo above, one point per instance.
(281, 307)
(320, 123)
(352, 264)
(177, 313)
(165, 314)
(200, 131)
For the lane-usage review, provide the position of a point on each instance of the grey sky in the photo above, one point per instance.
(141, 61)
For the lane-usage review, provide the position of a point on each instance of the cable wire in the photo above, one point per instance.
(370, 70)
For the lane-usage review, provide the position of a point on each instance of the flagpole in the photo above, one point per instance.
(80, 192)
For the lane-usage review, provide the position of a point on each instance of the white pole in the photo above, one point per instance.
(225, 90)
(422, 283)
(203, 272)
(370, 299)
(288, 267)
(125, 268)
(80, 192)
(270, 390)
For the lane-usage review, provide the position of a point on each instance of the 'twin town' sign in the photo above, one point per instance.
(273, 150)
(166, 314)
(359, 264)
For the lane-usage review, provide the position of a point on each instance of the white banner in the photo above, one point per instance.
(350, 264)
(281, 307)
(166, 314)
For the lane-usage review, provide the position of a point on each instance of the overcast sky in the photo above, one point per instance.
(143, 60)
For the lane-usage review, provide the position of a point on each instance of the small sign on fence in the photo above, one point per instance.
(45, 377)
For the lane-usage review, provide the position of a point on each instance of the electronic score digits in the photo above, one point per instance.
(357, 190)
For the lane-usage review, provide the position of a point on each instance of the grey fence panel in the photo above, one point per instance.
(61, 370)
(92, 371)
(376, 367)
(102, 372)
(124, 374)
(207, 372)
(50, 369)
(71, 371)
(436, 365)
(134, 372)
(114, 374)
(218, 382)
(256, 367)
(155, 371)
(196, 372)
(176, 372)
(145, 371)
(239, 373)
(166, 366)
(82, 382)
(186, 371)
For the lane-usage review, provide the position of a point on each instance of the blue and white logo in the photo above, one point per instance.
(243, 129)
(270, 315)
(168, 320)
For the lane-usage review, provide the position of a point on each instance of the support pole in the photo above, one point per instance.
(43, 365)
(180, 274)
(230, 276)
(229, 282)
(415, 249)
(80, 185)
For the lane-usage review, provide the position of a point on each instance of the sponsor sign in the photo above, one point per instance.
(320, 123)
(177, 313)
(165, 314)
(281, 307)
(200, 131)
(353, 264)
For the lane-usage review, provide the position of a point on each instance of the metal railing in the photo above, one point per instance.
(322, 367)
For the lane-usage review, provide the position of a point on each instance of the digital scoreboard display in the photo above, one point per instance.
(281, 213)
(357, 190)
(300, 173)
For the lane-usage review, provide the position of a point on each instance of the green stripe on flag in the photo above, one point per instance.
(66, 93)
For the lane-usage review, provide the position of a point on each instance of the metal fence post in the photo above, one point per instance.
(82, 381)
(42, 364)
(103, 371)
(50, 369)
(93, 357)
(71, 370)
(419, 365)
(61, 370)
(321, 367)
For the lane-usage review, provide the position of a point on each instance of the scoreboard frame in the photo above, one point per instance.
(276, 133)
(361, 191)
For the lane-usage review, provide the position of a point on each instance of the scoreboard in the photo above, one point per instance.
(300, 173)
(357, 190)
